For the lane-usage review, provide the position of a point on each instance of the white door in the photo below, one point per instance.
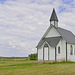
(45, 53)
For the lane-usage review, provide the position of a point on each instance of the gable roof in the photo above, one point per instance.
(53, 16)
(52, 41)
(67, 35)
(46, 32)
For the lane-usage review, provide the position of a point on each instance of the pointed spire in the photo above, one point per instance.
(54, 16)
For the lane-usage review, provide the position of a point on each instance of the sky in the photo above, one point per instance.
(23, 23)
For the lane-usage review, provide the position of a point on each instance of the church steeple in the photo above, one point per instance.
(54, 19)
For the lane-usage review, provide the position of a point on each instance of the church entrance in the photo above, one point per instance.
(46, 52)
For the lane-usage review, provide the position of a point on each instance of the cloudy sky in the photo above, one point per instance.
(23, 23)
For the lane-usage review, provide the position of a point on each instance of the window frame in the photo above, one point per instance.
(46, 45)
(71, 50)
(59, 50)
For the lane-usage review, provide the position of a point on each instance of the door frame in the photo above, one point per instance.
(46, 45)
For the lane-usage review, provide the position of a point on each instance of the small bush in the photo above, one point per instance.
(32, 56)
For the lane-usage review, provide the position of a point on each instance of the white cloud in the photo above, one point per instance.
(23, 23)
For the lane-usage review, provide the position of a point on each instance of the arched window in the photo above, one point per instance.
(46, 45)
(58, 49)
(71, 50)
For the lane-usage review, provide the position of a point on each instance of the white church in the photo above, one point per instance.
(57, 44)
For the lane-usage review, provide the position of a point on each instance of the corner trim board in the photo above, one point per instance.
(66, 51)
(48, 53)
(37, 53)
(55, 53)
(43, 53)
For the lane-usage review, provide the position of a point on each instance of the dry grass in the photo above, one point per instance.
(36, 68)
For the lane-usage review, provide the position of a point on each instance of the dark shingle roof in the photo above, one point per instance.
(53, 16)
(52, 41)
(67, 35)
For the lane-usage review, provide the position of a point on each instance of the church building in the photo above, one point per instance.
(57, 44)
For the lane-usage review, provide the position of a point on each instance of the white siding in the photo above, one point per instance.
(52, 22)
(55, 23)
(52, 54)
(40, 54)
(70, 57)
(62, 55)
(53, 33)
(59, 57)
(63, 46)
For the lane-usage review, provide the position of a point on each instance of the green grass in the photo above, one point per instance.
(25, 67)
(13, 58)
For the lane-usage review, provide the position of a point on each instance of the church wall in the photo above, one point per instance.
(59, 57)
(52, 53)
(52, 33)
(55, 23)
(62, 55)
(40, 54)
(52, 22)
(63, 46)
(69, 56)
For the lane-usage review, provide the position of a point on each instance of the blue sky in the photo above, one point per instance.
(2, 1)
(23, 23)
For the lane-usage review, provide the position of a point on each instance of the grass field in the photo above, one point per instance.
(25, 67)
(13, 58)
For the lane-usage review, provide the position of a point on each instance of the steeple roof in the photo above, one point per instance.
(53, 16)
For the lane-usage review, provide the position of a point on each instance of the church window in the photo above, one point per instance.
(46, 45)
(71, 50)
(59, 50)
